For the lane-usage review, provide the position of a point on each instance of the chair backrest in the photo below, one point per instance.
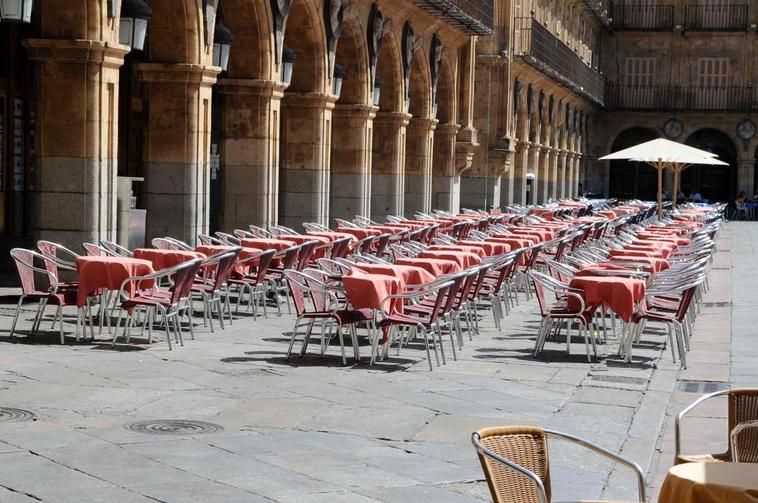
(302, 284)
(340, 247)
(381, 244)
(116, 249)
(224, 266)
(363, 246)
(306, 254)
(743, 408)
(24, 261)
(185, 275)
(208, 240)
(57, 254)
(163, 244)
(289, 256)
(228, 239)
(505, 453)
(94, 250)
(260, 232)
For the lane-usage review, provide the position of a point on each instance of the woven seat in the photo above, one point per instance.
(743, 408)
(516, 462)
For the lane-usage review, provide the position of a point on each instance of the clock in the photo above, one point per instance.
(746, 129)
(673, 128)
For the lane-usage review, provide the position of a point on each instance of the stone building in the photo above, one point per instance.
(327, 109)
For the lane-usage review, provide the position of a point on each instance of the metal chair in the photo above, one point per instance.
(743, 409)
(516, 463)
(116, 249)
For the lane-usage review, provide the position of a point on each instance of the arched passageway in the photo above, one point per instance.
(628, 180)
(352, 125)
(714, 183)
(419, 140)
(445, 180)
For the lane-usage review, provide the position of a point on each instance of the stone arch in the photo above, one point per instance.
(445, 180)
(419, 136)
(304, 33)
(175, 33)
(70, 19)
(644, 179)
(388, 143)
(252, 53)
(352, 123)
(715, 183)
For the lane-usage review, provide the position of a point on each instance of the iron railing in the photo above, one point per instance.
(716, 17)
(475, 17)
(643, 16)
(682, 98)
(540, 48)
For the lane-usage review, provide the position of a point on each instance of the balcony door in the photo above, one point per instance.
(714, 14)
(640, 14)
(712, 83)
(639, 80)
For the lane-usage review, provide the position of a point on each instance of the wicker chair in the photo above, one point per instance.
(516, 464)
(743, 409)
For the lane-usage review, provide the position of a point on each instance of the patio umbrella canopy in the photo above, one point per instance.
(661, 154)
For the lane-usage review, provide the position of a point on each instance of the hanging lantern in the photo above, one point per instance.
(16, 11)
(377, 90)
(288, 63)
(222, 44)
(339, 76)
(135, 15)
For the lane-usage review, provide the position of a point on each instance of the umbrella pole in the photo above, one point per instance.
(660, 192)
(676, 185)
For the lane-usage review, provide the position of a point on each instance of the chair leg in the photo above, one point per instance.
(428, 355)
(15, 316)
(59, 315)
(307, 338)
(342, 343)
(292, 339)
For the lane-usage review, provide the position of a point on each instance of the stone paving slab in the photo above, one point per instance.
(310, 429)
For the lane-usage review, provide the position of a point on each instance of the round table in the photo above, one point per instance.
(711, 482)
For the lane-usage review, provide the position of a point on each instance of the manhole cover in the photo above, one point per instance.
(8, 415)
(173, 427)
(717, 304)
(620, 379)
(701, 387)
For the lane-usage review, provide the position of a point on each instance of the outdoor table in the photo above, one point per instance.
(669, 245)
(541, 234)
(476, 250)
(490, 248)
(367, 291)
(408, 225)
(331, 235)
(240, 267)
(660, 251)
(636, 253)
(107, 273)
(360, 233)
(464, 259)
(617, 293)
(303, 238)
(409, 274)
(526, 240)
(163, 259)
(389, 228)
(652, 264)
(655, 237)
(435, 266)
(267, 244)
(711, 482)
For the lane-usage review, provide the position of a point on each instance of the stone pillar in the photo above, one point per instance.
(578, 162)
(445, 178)
(350, 183)
(566, 166)
(543, 191)
(304, 179)
(745, 176)
(388, 164)
(77, 139)
(519, 174)
(554, 188)
(250, 146)
(177, 148)
(419, 145)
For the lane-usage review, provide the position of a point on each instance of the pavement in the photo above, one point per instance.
(244, 424)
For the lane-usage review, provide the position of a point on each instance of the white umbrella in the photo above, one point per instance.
(661, 154)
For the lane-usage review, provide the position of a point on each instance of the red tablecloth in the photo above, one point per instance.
(476, 250)
(267, 244)
(367, 291)
(653, 264)
(240, 269)
(333, 236)
(525, 239)
(408, 225)
(390, 229)
(360, 233)
(163, 259)
(636, 253)
(662, 251)
(409, 274)
(489, 247)
(618, 294)
(464, 259)
(107, 273)
(303, 238)
(656, 237)
(435, 266)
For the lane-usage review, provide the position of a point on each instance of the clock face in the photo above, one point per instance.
(746, 129)
(673, 128)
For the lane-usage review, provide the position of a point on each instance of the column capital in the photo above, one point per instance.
(360, 111)
(425, 123)
(178, 73)
(256, 87)
(310, 100)
(398, 119)
(76, 51)
(447, 129)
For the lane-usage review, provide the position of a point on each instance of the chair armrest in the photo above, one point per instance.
(608, 454)
(733, 437)
(687, 410)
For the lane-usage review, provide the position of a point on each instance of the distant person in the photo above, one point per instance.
(695, 197)
(680, 198)
(741, 206)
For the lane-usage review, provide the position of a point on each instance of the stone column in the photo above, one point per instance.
(519, 174)
(350, 183)
(565, 165)
(250, 146)
(543, 192)
(177, 148)
(77, 139)
(445, 178)
(554, 188)
(304, 179)
(578, 161)
(745, 176)
(388, 164)
(419, 145)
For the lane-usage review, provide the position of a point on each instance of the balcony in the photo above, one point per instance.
(642, 17)
(601, 9)
(538, 47)
(682, 98)
(716, 17)
(475, 17)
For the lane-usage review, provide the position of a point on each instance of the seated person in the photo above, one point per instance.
(695, 197)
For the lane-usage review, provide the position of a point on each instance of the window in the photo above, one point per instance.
(712, 78)
(639, 80)
(640, 13)
(715, 13)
